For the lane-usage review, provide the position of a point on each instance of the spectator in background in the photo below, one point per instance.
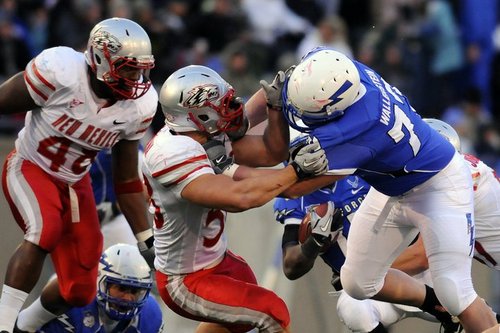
(446, 60)
(70, 20)
(468, 118)
(14, 49)
(331, 32)
(477, 26)
(237, 69)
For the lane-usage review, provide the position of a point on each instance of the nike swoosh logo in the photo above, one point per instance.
(357, 190)
(116, 122)
(306, 163)
(219, 159)
(326, 226)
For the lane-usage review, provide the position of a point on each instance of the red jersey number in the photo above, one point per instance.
(55, 149)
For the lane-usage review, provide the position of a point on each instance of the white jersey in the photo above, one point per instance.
(72, 124)
(486, 212)
(188, 237)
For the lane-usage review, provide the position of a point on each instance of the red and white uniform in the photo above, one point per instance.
(73, 124)
(45, 179)
(486, 212)
(192, 259)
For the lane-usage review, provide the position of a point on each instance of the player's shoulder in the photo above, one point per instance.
(151, 308)
(61, 65)
(146, 105)
(171, 151)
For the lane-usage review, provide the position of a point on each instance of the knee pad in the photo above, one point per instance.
(356, 287)
(357, 315)
(79, 294)
(454, 296)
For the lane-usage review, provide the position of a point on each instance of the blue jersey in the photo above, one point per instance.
(346, 194)
(102, 180)
(86, 320)
(383, 140)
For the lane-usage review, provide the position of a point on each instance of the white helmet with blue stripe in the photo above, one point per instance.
(320, 88)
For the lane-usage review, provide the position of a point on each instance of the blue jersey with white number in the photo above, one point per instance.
(86, 320)
(383, 140)
(347, 194)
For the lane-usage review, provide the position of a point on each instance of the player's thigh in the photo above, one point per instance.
(376, 238)
(36, 201)
(76, 257)
(225, 294)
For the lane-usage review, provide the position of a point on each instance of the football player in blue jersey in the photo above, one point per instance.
(122, 304)
(345, 196)
(419, 183)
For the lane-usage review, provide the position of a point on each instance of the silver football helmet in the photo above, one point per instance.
(123, 266)
(116, 45)
(445, 130)
(196, 98)
(320, 88)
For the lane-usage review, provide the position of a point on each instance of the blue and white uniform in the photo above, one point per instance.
(87, 320)
(419, 183)
(346, 194)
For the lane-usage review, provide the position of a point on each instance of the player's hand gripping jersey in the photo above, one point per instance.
(73, 124)
(188, 237)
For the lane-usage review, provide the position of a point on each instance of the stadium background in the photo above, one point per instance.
(405, 40)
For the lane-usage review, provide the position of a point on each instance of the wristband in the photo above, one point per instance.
(134, 186)
(231, 170)
(144, 236)
(301, 174)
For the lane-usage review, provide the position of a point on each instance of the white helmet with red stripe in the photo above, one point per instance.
(196, 98)
(116, 45)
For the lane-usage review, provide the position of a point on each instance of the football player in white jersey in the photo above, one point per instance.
(77, 104)
(198, 277)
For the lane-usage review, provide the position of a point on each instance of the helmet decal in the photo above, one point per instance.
(335, 98)
(200, 95)
(103, 39)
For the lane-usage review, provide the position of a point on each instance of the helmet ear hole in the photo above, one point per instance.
(203, 117)
(98, 59)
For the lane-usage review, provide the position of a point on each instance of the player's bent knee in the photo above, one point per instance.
(355, 314)
(79, 294)
(453, 296)
(354, 287)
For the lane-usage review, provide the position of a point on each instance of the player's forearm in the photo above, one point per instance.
(309, 185)
(134, 208)
(257, 191)
(295, 264)
(277, 137)
(256, 109)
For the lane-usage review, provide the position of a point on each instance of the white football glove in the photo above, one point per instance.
(310, 160)
(327, 228)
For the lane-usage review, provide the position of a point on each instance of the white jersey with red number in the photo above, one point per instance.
(188, 237)
(72, 124)
(486, 211)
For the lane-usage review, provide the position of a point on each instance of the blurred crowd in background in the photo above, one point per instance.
(443, 54)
